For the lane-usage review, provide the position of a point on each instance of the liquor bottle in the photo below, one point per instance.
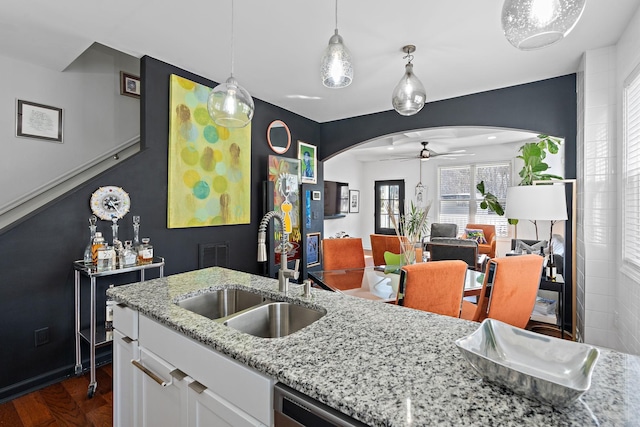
(106, 258)
(130, 255)
(136, 231)
(88, 259)
(145, 252)
(551, 269)
(119, 252)
(98, 242)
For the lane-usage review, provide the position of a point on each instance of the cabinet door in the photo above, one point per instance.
(124, 378)
(208, 409)
(162, 398)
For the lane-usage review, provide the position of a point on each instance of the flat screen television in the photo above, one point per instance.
(336, 198)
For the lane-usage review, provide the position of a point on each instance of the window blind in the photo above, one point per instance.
(631, 181)
(459, 201)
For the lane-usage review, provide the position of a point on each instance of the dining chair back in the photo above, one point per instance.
(435, 286)
(340, 254)
(509, 291)
(381, 243)
(464, 250)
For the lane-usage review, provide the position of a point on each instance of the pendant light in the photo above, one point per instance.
(419, 191)
(336, 69)
(229, 104)
(534, 24)
(409, 95)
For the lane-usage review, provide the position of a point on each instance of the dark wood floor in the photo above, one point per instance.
(63, 404)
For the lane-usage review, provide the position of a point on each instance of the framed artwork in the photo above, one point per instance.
(313, 249)
(209, 165)
(354, 201)
(284, 172)
(308, 162)
(129, 85)
(316, 195)
(38, 121)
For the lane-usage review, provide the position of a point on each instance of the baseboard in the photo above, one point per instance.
(41, 381)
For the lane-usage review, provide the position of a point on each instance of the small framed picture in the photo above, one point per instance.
(308, 162)
(129, 85)
(38, 121)
(313, 249)
(316, 195)
(354, 201)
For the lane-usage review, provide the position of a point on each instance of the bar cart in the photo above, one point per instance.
(96, 335)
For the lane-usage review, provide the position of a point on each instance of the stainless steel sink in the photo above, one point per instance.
(221, 303)
(274, 320)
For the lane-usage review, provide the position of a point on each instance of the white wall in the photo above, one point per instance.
(96, 117)
(626, 315)
(345, 168)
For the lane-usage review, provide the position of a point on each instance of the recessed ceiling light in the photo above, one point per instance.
(492, 137)
(390, 148)
(303, 97)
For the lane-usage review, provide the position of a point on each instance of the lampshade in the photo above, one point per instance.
(536, 202)
(409, 95)
(336, 70)
(533, 24)
(229, 104)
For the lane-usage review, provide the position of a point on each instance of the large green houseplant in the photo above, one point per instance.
(534, 168)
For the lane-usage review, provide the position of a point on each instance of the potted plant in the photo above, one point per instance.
(533, 155)
(409, 228)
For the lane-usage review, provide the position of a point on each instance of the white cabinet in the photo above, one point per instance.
(162, 395)
(208, 409)
(166, 378)
(124, 405)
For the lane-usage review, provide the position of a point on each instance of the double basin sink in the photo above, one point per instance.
(251, 312)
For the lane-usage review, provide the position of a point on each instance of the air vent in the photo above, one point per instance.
(213, 255)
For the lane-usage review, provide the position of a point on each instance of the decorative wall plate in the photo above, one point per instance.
(110, 202)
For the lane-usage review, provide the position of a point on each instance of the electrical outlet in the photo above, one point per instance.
(41, 336)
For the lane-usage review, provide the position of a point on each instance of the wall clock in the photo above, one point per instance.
(110, 202)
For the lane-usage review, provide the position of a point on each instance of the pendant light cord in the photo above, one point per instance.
(336, 16)
(232, 58)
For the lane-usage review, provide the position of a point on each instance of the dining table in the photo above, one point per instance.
(378, 283)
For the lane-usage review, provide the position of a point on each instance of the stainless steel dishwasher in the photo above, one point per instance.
(294, 409)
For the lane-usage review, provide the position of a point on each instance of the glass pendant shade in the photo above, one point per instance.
(336, 69)
(534, 24)
(409, 95)
(230, 105)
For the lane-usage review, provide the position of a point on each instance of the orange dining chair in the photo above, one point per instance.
(381, 243)
(435, 286)
(509, 291)
(340, 254)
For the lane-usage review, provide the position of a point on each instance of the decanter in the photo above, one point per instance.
(136, 231)
(92, 234)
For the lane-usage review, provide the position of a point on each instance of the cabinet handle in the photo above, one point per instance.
(151, 374)
(127, 339)
(178, 374)
(197, 387)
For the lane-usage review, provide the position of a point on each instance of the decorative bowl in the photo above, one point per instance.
(547, 369)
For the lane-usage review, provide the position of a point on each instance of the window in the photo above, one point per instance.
(389, 195)
(459, 201)
(631, 171)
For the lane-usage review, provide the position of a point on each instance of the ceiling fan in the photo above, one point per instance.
(426, 154)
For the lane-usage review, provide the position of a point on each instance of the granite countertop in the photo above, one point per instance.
(382, 364)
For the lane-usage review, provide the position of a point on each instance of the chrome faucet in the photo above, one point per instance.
(284, 273)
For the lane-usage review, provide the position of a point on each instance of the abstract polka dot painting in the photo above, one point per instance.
(209, 165)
